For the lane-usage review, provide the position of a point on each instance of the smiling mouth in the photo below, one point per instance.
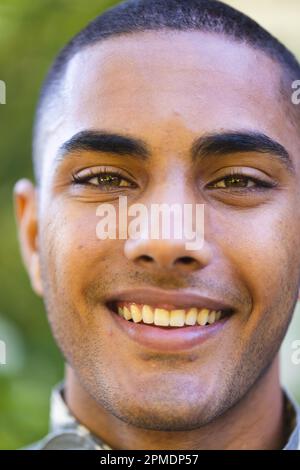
(167, 317)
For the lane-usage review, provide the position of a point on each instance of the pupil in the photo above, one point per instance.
(108, 179)
(236, 181)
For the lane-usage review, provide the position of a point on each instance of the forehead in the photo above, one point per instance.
(159, 85)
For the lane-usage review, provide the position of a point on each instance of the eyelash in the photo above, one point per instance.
(260, 185)
(85, 180)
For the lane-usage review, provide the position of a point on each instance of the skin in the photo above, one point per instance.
(225, 393)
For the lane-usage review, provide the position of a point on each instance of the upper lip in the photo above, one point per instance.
(176, 298)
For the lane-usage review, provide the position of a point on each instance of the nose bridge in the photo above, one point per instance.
(164, 240)
(173, 186)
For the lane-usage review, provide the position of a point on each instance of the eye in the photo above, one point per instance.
(104, 179)
(240, 181)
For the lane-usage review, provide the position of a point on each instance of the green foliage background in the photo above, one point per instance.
(31, 33)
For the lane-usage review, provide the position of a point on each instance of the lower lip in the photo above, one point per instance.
(168, 339)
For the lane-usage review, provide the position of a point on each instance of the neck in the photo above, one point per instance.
(255, 422)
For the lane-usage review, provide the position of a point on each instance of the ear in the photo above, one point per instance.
(25, 200)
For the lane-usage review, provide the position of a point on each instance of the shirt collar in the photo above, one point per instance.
(293, 417)
(63, 422)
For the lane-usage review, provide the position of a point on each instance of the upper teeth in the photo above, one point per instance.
(164, 317)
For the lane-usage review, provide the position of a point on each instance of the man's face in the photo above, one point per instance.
(168, 90)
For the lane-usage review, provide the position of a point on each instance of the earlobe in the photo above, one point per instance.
(27, 223)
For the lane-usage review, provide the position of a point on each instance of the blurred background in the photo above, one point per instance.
(31, 34)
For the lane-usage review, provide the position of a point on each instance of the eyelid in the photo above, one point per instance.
(241, 171)
(84, 176)
(91, 172)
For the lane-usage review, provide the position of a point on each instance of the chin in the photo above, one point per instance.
(165, 417)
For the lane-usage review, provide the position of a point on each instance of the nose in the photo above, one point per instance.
(171, 251)
(167, 254)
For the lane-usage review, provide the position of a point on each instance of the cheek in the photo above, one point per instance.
(263, 247)
(73, 254)
(75, 267)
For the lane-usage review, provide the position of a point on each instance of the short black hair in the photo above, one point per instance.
(134, 16)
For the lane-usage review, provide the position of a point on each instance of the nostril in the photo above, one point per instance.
(146, 258)
(185, 260)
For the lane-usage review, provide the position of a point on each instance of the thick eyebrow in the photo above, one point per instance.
(105, 142)
(225, 143)
(214, 144)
